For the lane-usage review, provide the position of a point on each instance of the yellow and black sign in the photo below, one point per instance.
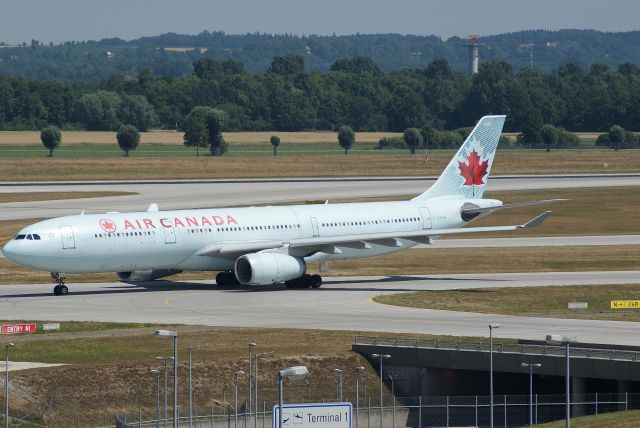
(625, 304)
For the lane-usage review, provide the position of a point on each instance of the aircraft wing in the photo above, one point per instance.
(306, 246)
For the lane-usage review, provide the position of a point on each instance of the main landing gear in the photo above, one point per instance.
(60, 289)
(226, 279)
(305, 281)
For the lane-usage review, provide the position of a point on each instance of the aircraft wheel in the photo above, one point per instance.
(316, 281)
(56, 290)
(63, 290)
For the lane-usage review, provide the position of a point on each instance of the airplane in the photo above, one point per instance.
(270, 244)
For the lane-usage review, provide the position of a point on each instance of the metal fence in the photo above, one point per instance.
(513, 348)
(400, 412)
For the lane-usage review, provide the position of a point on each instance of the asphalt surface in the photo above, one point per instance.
(219, 193)
(341, 304)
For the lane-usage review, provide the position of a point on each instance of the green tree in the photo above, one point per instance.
(51, 138)
(288, 65)
(346, 138)
(196, 133)
(617, 137)
(549, 135)
(136, 110)
(204, 127)
(413, 139)
(128, 138)
(531, 128)
(275, 142)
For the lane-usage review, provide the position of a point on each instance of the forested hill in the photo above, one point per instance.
(173, 54)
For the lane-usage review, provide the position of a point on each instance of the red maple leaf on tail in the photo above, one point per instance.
(473, 171)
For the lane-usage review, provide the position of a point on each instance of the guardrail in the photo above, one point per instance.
(511, 348)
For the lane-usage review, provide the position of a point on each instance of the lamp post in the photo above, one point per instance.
(339, 384)
(530, 366)
(235, 392)
(250, 389)
(293, 373)
(6, 383)
(165, 359)
(174, 334)
(255, 387)
(191, 348)
(358, 370)
(557, 339)
(381, 357)
(491, 328)
(157, 372)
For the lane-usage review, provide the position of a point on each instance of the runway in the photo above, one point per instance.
(341, 304)
(218, 193)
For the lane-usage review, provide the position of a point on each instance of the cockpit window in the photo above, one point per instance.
(29, 237)
(20, 237)
(36, 236)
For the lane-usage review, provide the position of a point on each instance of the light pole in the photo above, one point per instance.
(174, 334)
(191, 348)
(358, 370)
(381, 357)
(165, 359)
(557, 339)
(339, 384)
(491, 328)
(255, 388)
(223, 387)
(235, 391)
(6, 384)
(157, 372)
(293, 373)
(530, 366)
(251, 346)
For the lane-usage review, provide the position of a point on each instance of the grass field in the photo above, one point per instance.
(527, 301)
(629, 419)
(32, 138)
(94, 165)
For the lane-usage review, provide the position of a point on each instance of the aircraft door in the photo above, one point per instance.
(169, 235)
(68, 241)
(314, 226)
(426, 217)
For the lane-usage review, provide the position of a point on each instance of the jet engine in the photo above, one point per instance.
(146, 275)
(268, 268)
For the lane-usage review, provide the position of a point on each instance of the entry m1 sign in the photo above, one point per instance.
(316, 415)
(18, 328)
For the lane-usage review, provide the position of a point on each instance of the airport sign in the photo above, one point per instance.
(18, 328)
(625, 304)
(316, 415)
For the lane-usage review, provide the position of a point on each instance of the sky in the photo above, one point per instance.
(65, 20)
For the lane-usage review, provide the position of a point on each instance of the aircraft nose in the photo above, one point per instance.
(9, 250)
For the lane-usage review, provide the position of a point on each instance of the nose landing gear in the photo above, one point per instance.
(60, 289)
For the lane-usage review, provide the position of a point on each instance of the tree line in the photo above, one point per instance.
(93, 61)
(355, 92)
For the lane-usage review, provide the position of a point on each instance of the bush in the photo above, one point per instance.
(387, 143)
(567, 139)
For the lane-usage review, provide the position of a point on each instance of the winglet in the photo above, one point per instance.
(536, 221)
(153, 208)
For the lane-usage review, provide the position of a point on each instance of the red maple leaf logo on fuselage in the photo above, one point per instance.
(474, 171)
(107, 225)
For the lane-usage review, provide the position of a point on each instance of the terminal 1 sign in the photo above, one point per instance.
(316, 415)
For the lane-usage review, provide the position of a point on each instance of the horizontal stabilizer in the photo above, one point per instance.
(479, 210)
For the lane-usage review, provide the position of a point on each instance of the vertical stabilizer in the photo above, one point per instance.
(467, 174)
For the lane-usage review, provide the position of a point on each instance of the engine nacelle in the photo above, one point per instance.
(268, 268)
(146, 275)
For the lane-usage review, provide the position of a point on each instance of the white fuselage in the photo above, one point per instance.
(137, 241)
